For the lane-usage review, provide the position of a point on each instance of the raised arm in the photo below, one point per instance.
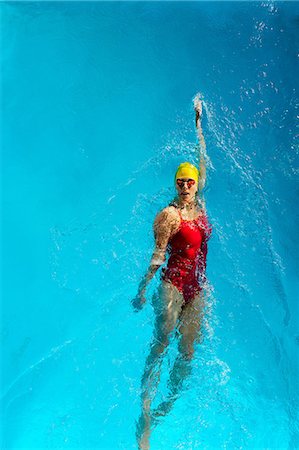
(165, 224)
(202, 142)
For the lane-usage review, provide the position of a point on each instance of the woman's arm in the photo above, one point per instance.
(164, 225)
(202, 142)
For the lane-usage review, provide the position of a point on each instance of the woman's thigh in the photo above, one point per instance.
(167, 303)
(190, 320)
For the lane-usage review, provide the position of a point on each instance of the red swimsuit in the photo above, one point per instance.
(188, 252)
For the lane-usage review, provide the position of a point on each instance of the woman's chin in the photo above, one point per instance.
(187, 199)
(185, 196)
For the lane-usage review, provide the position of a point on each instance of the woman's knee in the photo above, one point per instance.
(186, 347)
(160, 344)
(162, 334)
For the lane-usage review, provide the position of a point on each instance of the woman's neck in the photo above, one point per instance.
(188, 206)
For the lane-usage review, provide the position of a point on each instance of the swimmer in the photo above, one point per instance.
(181, 229)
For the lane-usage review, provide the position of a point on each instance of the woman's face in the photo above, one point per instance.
(186, 188)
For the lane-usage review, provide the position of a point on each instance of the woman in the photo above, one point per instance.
(182, 228)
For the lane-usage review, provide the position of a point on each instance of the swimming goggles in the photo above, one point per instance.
(181, 183)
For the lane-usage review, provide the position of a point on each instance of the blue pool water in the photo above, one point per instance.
(96, 114)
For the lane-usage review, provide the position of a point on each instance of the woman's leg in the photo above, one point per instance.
(190, 321)
(167, 304)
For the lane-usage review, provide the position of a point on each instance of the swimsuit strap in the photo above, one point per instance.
(180, 213)
(173, 203)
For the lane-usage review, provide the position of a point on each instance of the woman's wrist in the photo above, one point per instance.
(142, 287)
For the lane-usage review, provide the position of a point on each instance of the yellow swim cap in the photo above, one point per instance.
(187, 170)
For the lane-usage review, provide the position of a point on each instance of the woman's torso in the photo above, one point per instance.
(189, 235)
(187, 250)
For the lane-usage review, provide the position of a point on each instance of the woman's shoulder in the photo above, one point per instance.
(168, 213)
(167, 216)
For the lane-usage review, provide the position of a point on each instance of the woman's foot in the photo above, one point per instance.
(163, 409)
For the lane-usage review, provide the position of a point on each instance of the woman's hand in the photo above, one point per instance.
(197, 103)
(139, 300)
